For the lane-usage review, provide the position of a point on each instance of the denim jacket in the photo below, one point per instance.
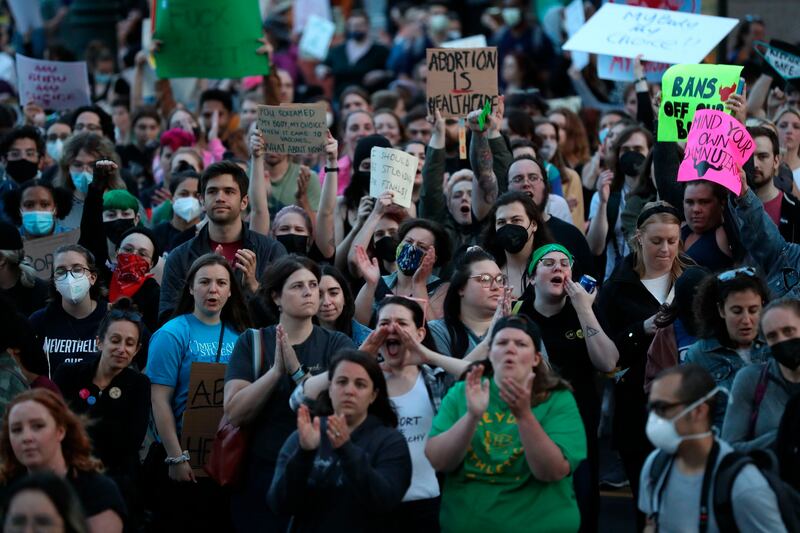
(722, 362)
(780, 260)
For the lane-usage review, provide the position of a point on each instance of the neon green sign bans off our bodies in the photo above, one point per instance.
(209, 39)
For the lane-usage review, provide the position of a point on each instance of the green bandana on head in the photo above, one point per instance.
(543, 251)
(120, 199)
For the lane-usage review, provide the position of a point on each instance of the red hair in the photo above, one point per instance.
(177, 138)
(76, 446)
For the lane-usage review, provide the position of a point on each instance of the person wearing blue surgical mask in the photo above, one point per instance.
(36, 208)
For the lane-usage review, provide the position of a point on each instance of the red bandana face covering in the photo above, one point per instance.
(128, 277)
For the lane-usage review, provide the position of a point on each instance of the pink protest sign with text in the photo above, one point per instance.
(717, 146)
(52, 84)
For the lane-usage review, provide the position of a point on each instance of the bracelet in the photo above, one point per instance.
(299, 375)
(331, 169)
(182, 458)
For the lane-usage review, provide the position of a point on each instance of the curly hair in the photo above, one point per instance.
(76, 446)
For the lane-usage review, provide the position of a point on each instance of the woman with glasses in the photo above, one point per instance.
(132, 277)
(578, 348)
(727, 308)
(67, 326)
(477, 289)
(114, 397)
(508, 444)
(628, 303)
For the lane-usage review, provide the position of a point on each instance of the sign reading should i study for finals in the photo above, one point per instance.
(460, 80)
(293, 128)
(204, 410)
(689, 88)
(392, 170)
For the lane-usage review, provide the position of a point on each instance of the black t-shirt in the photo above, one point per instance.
(168, 236)
(66, 339)
(98, 493)
(276, 421)
(28, 299)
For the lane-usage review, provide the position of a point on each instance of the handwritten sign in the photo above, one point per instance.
(718, 144)
(209, 39)
(52, 84)
(27, 15)
(688, 88)
(460, 80)
(293, 128)
(658, 34)
(204, 409)
(316, 39)
(475, 41)
(574, 19)
(40, 251)
(302, 10)
(785, 63)
(687, 6)
(392, 170)
(617, 68)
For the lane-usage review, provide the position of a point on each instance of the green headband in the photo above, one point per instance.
(120, 199)
(543, 251)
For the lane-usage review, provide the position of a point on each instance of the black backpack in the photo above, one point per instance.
(729, 468)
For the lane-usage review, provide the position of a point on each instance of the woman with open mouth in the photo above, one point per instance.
(257, 393)
(509, 444)
(727, 310)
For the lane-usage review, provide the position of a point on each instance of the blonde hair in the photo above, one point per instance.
(679, 264)
(17, 260)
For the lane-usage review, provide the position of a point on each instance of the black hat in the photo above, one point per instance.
(364, 147)
(522, 323)
(150, 235)
(9, 237)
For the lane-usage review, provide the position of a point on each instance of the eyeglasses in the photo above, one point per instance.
(53, 137)
(77, 272)
(660, 407)
(520, 179)
(549, 262)
(486, 280)
(728, 275)
(141, 252)
(80, 126)
(78, 166)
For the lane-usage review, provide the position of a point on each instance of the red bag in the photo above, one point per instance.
(226, 462)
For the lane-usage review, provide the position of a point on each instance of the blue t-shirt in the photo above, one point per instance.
(179, 343)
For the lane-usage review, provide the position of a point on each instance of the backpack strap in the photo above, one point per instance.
(259, 349)
(661, 465)
(729, 468)
(758, 397)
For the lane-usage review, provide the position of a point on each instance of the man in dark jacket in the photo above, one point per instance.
(223, 187)
(783, 208)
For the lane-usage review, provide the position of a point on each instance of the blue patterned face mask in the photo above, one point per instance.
(409, 258)
(81, 180)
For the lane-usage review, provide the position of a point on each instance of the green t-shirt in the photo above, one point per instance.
(494, 489)
(283, 190)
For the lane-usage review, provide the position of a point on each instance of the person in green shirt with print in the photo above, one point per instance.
(509, 444)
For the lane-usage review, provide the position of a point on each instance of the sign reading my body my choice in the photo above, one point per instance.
(460, 80)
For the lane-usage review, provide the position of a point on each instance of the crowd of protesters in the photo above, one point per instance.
(553, 314)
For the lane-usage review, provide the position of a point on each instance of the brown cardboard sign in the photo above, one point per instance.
(293, 128)
(460, 80)
(40, 251)
(204, 409)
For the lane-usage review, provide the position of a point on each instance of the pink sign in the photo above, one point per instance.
(717, 146)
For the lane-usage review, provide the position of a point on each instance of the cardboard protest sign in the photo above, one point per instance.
(392, 170)
(461, 79)
(40, 251)
(688, 88)
(209, 39)
(293, 128)
(204, 410)
(785, 63)
(574, 19)
(317, 36)
(475, 41)
(658, 34)
(52, 84)
(718, 144)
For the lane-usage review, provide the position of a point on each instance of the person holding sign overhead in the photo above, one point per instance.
(209, 316)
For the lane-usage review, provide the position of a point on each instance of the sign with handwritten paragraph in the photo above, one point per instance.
(54, 85)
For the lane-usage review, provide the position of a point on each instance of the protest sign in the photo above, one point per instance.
(688, 88)
(27, 15)
(574, 19)
(52, 84)
(785, 63)
(40, 251)
(392, 170)
(617, 68)
(657, 34)
(687, 6)
(293, 128)
(718, 144)
(317, 37)
(475, 41)
(209, 39)
(302, 10)
(204, 409)
(461, 79)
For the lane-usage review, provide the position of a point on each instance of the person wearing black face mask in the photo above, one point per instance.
(292, 228)
(21, 152)
(359, 54)
(760, 392)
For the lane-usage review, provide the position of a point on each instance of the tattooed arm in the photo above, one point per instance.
(484, 182)
(602, 350)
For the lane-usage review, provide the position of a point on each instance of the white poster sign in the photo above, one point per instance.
(392, 170)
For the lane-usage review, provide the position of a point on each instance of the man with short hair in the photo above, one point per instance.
(137, 155)
(673, 479)
(21, 152)
(783, 208)
(220, 102)
(223, 189)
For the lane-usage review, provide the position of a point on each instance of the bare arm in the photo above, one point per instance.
(758, 96)
(244, 400)
(545, 459)
(258, 189)
(369, 270)
(161, 397)
(325, 232)
(598, 226)
(602, 350)
(343, 248)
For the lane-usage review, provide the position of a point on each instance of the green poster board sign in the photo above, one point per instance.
(209, 39)
(687, 88)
